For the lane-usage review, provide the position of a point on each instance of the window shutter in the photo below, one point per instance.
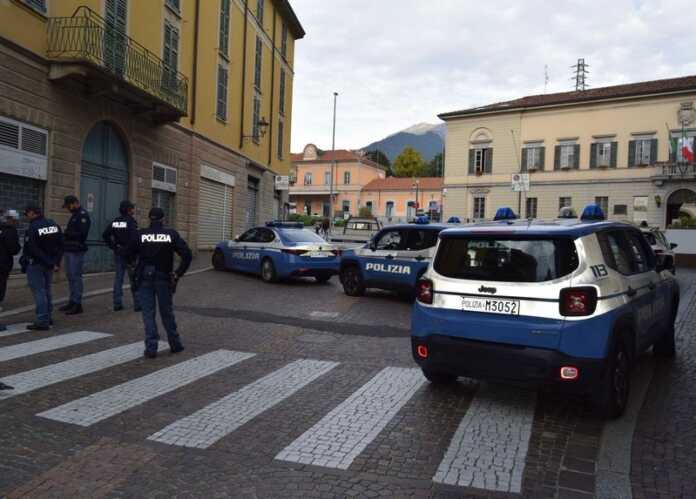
(488, 167)
(557, 158)
(472, 168)
(576, 155)
(524, 160)
(542, 157)
(593, 155)
(175, 52)
(632, 153)
(653, 151)
(614, 154)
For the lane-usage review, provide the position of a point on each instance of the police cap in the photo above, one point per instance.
(156, 214)
(125, 206)
(68, 200)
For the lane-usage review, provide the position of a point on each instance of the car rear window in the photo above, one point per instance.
(506, 259)
(300, 236)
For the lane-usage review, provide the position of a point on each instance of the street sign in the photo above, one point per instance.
(520, 182)
(282, 182)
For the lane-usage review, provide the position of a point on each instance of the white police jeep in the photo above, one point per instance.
(570, 303)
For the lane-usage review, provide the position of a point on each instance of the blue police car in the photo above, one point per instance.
(570, 303)
(280, 250)
(393, 260)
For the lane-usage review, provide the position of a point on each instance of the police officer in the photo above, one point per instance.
(155, 248)
(118, 236)
(43, 250)
(75, 248)
(9, 247)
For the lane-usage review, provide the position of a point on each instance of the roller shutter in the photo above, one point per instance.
(214, 213)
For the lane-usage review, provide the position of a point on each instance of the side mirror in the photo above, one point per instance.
(664, 262)
(673, 245)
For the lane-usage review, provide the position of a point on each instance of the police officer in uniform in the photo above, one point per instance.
(155, 248)
(43, 250)
(75, 248)
(118, 236)
(9, 247)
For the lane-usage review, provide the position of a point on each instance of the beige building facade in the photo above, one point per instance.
(628, 148)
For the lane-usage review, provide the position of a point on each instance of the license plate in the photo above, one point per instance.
(319, 254)
(491, 305)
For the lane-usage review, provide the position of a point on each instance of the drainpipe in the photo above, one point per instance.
(194, 79)
(244, 58)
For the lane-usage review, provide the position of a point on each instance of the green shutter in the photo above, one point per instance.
(576, 156)
(224, 26)
(653, 151)
(614, 154)
(472, 168)
(542, 158)
(488, 165)
(593, 155)
(673, 150)
(557, 158)
(632, 153)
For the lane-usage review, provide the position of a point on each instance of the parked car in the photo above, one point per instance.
(568, 303)
(658, 242)
(279, 250)
(357, 230)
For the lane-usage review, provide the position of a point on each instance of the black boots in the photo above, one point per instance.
(37, 327)
(67, 306)
(76, 309)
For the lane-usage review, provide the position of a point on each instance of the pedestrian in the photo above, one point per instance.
(156, 283)
(75, 248)
(325, 225)
(9, 247)
(41, 256)
(118, 236)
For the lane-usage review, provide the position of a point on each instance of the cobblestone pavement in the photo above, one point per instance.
(296, 390)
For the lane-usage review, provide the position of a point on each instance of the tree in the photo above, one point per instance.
(381, 159)
(436, 166)
(365, 212)
(409, 163)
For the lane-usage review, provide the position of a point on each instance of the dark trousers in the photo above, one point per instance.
(73, 267)
(121, 270)
(40, 279)
(151, 293)
(3, 284)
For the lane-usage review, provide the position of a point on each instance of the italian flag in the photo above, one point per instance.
(685, 146)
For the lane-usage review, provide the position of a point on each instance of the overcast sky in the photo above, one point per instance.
(400, 62)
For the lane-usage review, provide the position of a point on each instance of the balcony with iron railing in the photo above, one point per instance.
(85, 46)
(675, 170)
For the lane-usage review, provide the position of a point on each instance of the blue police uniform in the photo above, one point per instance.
(155, 248)
(43, 250)
(118, 236)
(75, 248)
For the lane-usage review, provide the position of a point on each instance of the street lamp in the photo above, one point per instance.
(333, 166)
(261, 127)
(416, 184)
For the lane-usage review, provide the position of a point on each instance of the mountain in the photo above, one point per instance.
(426, 138)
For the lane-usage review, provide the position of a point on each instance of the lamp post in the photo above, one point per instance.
(333, 167)
(416, 184)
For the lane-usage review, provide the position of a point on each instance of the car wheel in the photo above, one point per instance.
(323, 278)
(268, 271)
(438, 377)
(666, 346)
(352, 281)
(616, 386)
(218, 260)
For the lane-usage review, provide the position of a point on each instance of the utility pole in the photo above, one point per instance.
(580, 77)
(333, 167)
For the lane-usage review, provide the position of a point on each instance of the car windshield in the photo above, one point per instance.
(507, 260)
(300, 236)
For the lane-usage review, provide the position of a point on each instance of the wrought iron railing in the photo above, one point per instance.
(87, 37)
(685, 170)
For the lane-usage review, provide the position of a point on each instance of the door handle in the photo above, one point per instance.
(420, 258)
(389, 257)
(630, 292)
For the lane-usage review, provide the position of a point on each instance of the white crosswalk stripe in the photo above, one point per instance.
(347, 430)
(48, 344)
(55, 373)
(107, 403)
(13, 329)
(489, 448)
(205, 427)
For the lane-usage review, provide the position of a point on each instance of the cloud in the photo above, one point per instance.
(400, 62)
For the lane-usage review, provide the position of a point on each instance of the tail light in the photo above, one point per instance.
(576, 302)
(296, 252)
(422, 351)
(424, 291)
(569, 373)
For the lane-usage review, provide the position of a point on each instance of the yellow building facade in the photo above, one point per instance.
(620, 147)
(183, 104)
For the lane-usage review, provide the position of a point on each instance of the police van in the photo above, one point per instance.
(393, 260)
(279, 250)
(570, 303)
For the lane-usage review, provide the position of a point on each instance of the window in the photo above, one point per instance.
(281, 138)
(564, 202)
(163, 177)
(284, 41)
(418, 240)
(390, 240)
(479, 208)
(259, 11)
(257, 63)
(281, 96)
(345, 206)
(531, 208)
(175, 5)
(308, 178)
(389, 209)
(221, 109)
(264, 236)
(170, 56)
(603, 154)
(490, 258)
(326, 209)
(300, 236)
(165, 200)
(640, 208)
(480, 160)
(602, 202)
(567, 158)
(533, 158)
(37, 5)
(346, 178)
(644, 152)
(327, 178)
(368, 205)
(620, 209)
(249, 236)
(625, 251)
(256, 117)
(224, 26)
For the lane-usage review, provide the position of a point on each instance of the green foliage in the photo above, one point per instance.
(436, 166)
(305, 219)
(364, 212)
(409, 163)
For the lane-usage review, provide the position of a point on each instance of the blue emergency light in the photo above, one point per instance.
(453, 220)
(279, 224)
(592, 213)
(422, 220)
(505, 214)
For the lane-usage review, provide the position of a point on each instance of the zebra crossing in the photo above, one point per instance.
(487, 451)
